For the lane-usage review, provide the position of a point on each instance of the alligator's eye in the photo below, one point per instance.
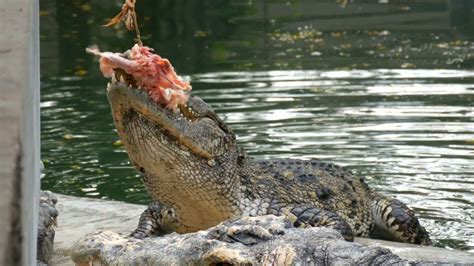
(193, 115)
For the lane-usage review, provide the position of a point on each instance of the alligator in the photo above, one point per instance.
(198, 176)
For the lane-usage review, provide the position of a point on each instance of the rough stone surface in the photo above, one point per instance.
(81, 216)
(268, 240)
(46, 222)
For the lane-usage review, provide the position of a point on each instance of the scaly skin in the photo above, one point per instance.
(198, 176)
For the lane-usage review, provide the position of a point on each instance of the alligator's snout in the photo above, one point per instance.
(194, 127)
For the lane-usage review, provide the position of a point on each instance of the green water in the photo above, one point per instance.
(386, 90)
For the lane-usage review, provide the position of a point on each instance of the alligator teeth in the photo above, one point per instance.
(108, 84)
(122, 79)
(114, 78)
(191, 111)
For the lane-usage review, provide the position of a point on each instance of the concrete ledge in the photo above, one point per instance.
(20, 132)
(81, 216)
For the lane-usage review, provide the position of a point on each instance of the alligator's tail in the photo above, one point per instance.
(395, 220)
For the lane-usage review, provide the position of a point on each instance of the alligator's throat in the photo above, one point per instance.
(176, 176)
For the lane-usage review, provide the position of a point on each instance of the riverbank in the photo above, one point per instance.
(80, 216)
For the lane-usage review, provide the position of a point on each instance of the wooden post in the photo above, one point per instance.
(19, 131)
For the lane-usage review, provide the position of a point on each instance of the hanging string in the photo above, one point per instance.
(129, 17)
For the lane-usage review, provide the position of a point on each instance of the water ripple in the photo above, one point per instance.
(410, 131)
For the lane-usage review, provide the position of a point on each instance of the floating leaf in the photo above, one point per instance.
(407, 65)
(86, 7)
(118, 143)
(200, 33)
(81, 72)
(71, 136)
(68, 136)
(76, 167)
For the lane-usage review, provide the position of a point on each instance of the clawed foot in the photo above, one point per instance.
(306, 216)
(150, 223)
(247, 234)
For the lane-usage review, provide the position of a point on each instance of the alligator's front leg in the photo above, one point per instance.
(305, 215)
(156, 220)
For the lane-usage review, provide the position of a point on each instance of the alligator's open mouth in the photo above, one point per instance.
(122, 77)
(179, 124)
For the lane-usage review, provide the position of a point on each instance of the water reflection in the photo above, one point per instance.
(368, 86)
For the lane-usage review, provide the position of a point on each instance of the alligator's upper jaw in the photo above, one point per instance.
(124, 98)
(183, 124)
